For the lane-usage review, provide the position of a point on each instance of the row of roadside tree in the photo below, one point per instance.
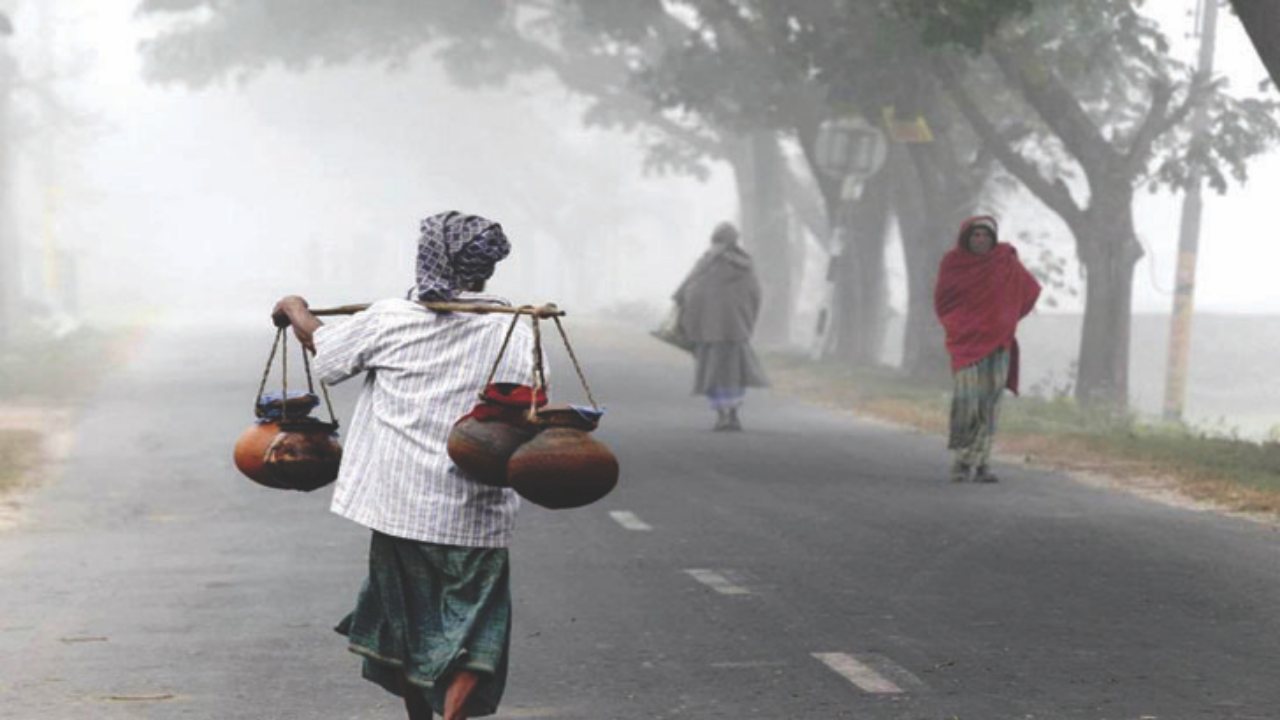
(1080, 103)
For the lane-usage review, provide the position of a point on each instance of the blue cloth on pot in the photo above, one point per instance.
(270, 408)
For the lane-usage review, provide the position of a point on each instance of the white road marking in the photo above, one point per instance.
(859, 673)
(717, 582)
(628, 520)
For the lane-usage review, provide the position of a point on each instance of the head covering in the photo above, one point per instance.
(724, 234)
(456, 251)
(979, 300)
(973, 223)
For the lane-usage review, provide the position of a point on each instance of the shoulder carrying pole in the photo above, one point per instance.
(543, 311)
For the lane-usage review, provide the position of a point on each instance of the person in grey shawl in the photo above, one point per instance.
(718, 304)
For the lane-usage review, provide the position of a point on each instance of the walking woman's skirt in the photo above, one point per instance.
(427, 611)
(726, 366)
(975, 405)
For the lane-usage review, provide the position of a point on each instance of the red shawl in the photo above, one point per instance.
(980, 299)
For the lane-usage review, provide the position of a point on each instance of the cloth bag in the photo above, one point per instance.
(670, 332)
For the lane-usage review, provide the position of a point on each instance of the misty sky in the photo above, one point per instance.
(224, 199)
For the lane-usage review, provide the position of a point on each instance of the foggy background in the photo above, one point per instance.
(138, 201)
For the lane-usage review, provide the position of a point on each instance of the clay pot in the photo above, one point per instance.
(300, 455)
(304, 456)
(251, 451)
(482, 449)
(482, 442)
(563, 466)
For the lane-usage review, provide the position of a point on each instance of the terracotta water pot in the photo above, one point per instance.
(482, 448)
(563, 466)
(482, 442)
(251, 451)
(304, 455)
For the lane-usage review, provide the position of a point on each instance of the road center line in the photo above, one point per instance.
(859, 673)
(716, 581)
(629, 520)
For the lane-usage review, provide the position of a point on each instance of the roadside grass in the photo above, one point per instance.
(1238, 475)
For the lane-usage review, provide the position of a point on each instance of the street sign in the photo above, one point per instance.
(850, 148)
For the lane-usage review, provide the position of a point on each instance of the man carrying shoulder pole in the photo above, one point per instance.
(433, 619)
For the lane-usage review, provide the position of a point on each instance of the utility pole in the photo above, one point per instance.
(1175, 389)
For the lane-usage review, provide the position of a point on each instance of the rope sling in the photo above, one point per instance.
(281, 344)
(539, 379)
(291, 452)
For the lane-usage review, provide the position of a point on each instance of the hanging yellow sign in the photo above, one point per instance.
(906, 131)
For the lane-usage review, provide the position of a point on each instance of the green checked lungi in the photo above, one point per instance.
(427, 611)
(975, 405)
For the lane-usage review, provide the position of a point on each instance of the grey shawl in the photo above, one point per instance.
(720, 299)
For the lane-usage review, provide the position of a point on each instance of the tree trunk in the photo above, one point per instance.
(1109, 251)
(10, 247)
(759, 170)
(861, 294)
(925, 223)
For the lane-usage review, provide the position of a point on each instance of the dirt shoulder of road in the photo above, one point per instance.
(43, 383)
(34, 441)
(1171, 465)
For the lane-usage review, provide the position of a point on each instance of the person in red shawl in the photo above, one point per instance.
(983, 291)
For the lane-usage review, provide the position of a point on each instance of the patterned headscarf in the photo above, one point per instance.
(456, 251)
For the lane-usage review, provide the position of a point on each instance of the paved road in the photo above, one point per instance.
(812, 567)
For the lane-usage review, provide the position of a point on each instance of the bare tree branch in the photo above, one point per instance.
(1059, 109)
(1140, 152)
(1053, 193)
(1152, 126)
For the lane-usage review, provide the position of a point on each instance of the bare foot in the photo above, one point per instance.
(461, 685)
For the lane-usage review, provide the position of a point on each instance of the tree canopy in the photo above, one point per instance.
(1080, 100)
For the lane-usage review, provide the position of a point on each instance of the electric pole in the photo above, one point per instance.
(1175, 390)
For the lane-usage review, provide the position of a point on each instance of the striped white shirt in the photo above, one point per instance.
(423, 370)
